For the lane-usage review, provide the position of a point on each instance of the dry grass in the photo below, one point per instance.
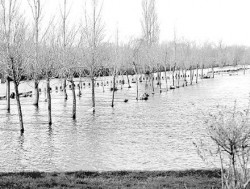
(118, 179)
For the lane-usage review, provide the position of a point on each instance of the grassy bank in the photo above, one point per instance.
(116, 179)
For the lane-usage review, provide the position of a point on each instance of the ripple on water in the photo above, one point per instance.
(157, 134)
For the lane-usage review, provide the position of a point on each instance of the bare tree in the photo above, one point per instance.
(136, 46)
(127, 60)
(67, 41)
(73, 58)
(69, 55)
(228, 129)
(165, 68)
(13, 51)
(49, 52)
(71, 68)
(149, 23)
(164, 55)
(116, 61)
(150, 31)
(92, 37)
(175, 58)
(36, 9)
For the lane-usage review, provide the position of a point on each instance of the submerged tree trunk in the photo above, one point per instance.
(178, 76)
(173, 75)
(74, 99)
(113, 92)
(122, 82)
(185, 77)
(137, 88)
(202, 71)
(166, 80)
(8, 93)
(136, 72)
(49, 101)
(20, 115)
(93, 92)
(128, 80)
(191, 76)
(212, 71)
(159, 80)
(197, 73)
(153, 82)
(36, 92)
(234, 168)
(80, 87)
(79, 90)
(64, 89)
(103, 84)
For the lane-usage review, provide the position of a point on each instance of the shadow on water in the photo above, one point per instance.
(50, 131)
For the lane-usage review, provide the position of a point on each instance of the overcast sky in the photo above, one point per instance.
(196, 20)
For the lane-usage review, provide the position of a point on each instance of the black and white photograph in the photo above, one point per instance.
(125, 94)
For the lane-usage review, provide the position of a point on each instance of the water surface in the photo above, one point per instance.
(157, 134)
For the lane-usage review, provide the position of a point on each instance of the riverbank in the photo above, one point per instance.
(115, 179)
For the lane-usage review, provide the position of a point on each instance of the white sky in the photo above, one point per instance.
(196, 20)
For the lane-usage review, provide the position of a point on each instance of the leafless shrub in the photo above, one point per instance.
(229, 132)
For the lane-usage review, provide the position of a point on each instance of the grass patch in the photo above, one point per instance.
(113, 179)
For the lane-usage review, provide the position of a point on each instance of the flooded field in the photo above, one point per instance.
(157, 134)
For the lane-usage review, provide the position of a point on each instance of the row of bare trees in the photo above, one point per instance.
(33, 50)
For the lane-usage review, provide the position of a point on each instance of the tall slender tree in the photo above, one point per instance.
(13, 49)
(36, 9)
(92, 37)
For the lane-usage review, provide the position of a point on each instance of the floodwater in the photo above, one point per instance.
(157, 134)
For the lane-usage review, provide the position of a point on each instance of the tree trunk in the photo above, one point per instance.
(36, 92)
(137, 88)
(178, 76)
(197, 73)
(166, 80)
(122, 82)
(146, 83)
(244, 68)
(113, 92)
(19, 107)
(202, 71)
(79, 90)
(8, 93)
(191, 76)
(64, 89)
(103, 84)
(186, 77)
(173, 77)
(128, 80)
(153, 83)
(234, 170)
(74, 99)
(17, 96)
(136, 72)
(212, 71)
(159, 80)
(93, 93)
(49, 101)
(80, 87)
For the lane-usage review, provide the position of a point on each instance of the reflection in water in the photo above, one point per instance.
(157, 134)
